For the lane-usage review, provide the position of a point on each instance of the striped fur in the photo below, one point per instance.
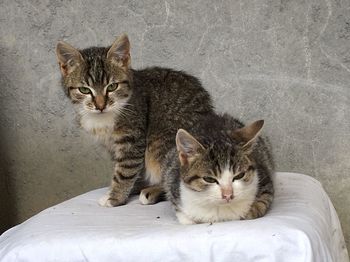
(137, 122)
(238, 163)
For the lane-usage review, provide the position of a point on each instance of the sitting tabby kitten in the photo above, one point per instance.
(224, 175)
(135, 113)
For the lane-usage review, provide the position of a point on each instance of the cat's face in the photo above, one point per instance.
(220, 181)
(97, 79)
(222, 173)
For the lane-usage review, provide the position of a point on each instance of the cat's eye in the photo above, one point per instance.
(239, 176)
(84, 90)
(112, 87)
(210, 179)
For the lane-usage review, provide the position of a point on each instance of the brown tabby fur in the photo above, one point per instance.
(218, 144)
(138, 121)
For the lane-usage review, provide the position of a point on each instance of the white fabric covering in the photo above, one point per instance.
(301, 226)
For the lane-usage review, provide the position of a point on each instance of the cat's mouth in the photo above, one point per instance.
(99, 112)
(225, 201)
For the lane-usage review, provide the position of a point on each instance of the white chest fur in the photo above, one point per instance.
(93, 122)
(100, 125)
(207, 206)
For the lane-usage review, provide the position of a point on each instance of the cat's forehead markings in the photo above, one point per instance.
(218, 167)
(105, 82)
(90, 80)
(226, 176)
(95, 65)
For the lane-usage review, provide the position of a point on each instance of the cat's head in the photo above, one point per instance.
(97, 79)
(224, 170)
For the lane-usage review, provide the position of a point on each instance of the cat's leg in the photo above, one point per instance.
(129, 164)
(184, 219)
(121, 186)
(263, 198)
(260, 206)
(139, 185)
(152, 195)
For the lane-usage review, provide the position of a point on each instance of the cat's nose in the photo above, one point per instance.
(100, 102)
(227, 193)
(227, 197)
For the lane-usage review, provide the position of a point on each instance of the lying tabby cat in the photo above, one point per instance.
(224, 175)
(135, 113)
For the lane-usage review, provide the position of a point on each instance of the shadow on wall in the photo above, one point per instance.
(7, 202)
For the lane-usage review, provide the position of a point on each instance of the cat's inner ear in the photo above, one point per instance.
(249, 133)
(68, 57)
(188, 147)
(119, 53)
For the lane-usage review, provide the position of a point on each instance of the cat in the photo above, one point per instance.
(134, 113)
(223, 172)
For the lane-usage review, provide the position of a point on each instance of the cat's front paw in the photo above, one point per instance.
(104, 201)
(108, 201)
(184, 219)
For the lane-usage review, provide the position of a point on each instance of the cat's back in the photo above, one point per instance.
(180, 86)
(158, 76)
(174, 98)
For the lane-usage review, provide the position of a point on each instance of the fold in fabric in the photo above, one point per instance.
(302, 225)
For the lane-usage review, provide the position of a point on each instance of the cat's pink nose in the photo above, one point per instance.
(227, 193)
(227, 197)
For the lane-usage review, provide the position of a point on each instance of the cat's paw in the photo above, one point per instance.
(183, 219)
(143, 198)
(104, 201)
(107, 201)
(150, 195)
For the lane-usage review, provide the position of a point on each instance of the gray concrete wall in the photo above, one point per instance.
(285, 61)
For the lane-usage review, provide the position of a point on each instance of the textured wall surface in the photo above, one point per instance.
(285, 61)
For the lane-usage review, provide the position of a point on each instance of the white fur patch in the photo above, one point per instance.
(98, 121)
(183, 219)
(226, 177)
(208, 205)
(103, 201)
(143, 199)
(152, 178)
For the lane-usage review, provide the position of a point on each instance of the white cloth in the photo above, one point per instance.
(301, 226)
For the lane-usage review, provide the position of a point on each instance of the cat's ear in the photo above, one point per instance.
(248, 134)
(187, 146)
(68, 57)
(119, 53)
